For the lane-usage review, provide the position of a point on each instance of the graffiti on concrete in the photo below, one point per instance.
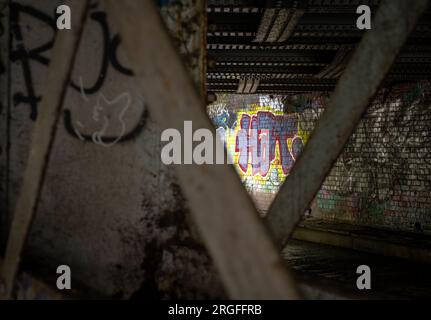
(25, 55)
(107, 114)
(102, 115)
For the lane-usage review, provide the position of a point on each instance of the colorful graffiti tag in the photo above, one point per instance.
(277, 129)
(263, 143)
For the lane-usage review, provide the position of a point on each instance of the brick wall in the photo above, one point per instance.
(381, 179)
(383, 176)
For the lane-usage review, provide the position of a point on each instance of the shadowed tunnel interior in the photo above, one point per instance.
(266, 71)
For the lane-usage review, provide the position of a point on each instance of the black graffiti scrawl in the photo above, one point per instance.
(25, 56)
(20, 53)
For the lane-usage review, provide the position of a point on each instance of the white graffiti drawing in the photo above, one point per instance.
(98, 113)
(98, 135)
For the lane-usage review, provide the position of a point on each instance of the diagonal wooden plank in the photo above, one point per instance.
(373, 58)
(247, 260)
(63, 57)
(4, 115)
(29, 287)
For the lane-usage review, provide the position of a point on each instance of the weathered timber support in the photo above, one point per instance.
(63, 57)
(370, 63)
(221, 208)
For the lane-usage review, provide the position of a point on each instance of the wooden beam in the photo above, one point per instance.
(29, 287)
(4, 115)
(63, 57)
(394, 21)
(247, 259)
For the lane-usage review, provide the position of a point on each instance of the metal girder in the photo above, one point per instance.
(322, 56)
(373, 58)
(258, 69)
(63, 57)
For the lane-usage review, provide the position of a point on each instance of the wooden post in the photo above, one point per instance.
(63, 57)
(373, 58)
(247, 259)
(4, 115)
